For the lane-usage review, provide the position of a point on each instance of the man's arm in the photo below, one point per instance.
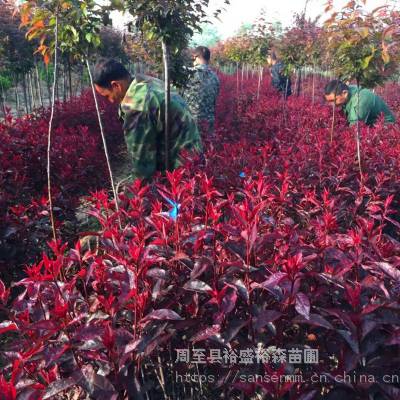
(192, 93)
(141, 141)
(217, 89)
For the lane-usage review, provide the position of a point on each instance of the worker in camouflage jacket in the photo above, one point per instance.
(280, 80)
(203, 88)
(141, 102)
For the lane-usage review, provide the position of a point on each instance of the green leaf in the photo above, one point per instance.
(366, 61)
(89, 37)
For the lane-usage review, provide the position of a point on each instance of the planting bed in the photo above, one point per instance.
(224, 276)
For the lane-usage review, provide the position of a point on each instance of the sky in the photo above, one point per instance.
(243, 11)
(247, 11)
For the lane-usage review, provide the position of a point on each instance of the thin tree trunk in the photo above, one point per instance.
(32, 94)
(259, 83)
(167, 102)
(35, 88)
(333, 118)
(17, 105)
(82, 81)
(77, 83)
(28, 92)
(298, 87)
(58, 84)
(48, 85)
(39, 86)
(284, 103)
(64, 75)
(78, 80)
(313, 89)
(237, 80)
(358, 133)
(53, 227)
(25, 94)
(104, 141)
(70, 78)
(3, 100)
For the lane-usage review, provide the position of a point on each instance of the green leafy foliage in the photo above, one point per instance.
(300, 45)
(363, 46)
(209, 36)
(15, 53)
(250, 46)
(78, 28)
(170, 21)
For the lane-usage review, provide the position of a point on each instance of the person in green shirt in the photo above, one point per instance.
(370, 107)
(141, 102)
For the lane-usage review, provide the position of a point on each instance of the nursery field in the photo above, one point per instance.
(268, 269)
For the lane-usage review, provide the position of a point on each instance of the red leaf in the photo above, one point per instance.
(7, 326)
(206, 333)
(273, 280)
(303, 305)
(265, 317)
(314, 320)
(229, 300)
(163, 314)
(389, 270)
(4, 293)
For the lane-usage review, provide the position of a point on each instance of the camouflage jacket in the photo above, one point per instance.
(142, 112)
(202, 92)
(280, 81)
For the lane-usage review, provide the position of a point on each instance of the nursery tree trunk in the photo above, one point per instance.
(17, 105)
(333, 119)
(53, 227)
(32, 94)
(313, 86)
(48, 84)
(3, 99)
(259, 82)
(64, 75)
(237, 79)
(358, 135)
(25, 94)
(104, 140)
(298, 80)
(167, 101)
(69, 78)
(39, 85)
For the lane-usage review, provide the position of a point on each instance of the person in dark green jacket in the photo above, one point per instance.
(141, 102)
(371, 106)
(280, 81)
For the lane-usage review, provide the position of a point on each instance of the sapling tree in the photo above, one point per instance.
(237, 51)
(293, 46)
(72, 27)
(314, 49)
(261, 36)
(16, 54)
(363, 47)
